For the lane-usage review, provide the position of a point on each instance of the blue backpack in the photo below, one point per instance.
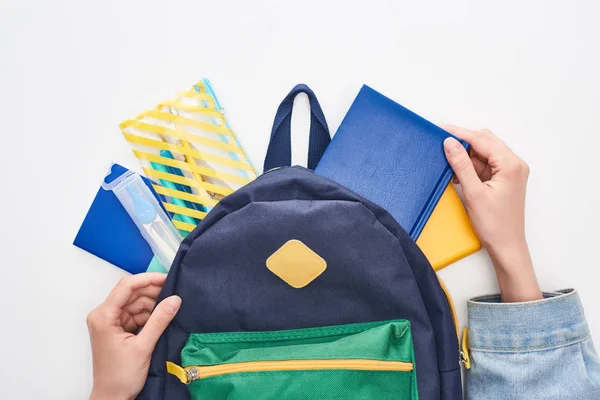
(293, 250)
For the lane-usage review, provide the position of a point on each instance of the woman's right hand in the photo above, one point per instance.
(494, 181)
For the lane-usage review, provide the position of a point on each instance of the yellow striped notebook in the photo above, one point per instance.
(190, 153)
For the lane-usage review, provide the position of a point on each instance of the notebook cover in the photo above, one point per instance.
(448, 235)
(391, 156)
(109, 233)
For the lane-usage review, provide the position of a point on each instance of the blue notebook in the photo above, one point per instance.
(391, 156)
(109, 233)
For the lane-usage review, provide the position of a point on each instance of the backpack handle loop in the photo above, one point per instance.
(279, 152)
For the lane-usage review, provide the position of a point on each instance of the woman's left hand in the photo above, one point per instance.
(121, 357)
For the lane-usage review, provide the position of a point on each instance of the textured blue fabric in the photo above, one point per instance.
(535, 350)
(279, 153)
(391, 156)
(375, 272)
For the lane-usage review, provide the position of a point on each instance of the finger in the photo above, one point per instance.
(482, 142)
(482, 168)
(141, 318)
(162, 315)
(97, 320)
(151, 291)
(133, 322)
(128, 323)
(142, 304)
(121, 293)
(459, 160)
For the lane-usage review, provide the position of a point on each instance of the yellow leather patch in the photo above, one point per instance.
(296, 264)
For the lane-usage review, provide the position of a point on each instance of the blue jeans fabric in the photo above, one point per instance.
(534, 350)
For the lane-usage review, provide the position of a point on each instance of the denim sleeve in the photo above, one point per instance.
(534, 350)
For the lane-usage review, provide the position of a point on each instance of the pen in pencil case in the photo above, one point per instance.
(174, 201)
(149, 217)
(185, 188)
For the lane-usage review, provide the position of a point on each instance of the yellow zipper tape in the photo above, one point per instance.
(208, 201)
(209, 187)
(290, 365)
(464, 349)
(451, 305)
(191, 167)
(181, 134)
(190, 212)
(158, 144)
(183, 226)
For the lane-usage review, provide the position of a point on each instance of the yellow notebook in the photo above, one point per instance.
(448, 235)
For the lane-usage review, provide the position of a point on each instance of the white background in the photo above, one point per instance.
(71, 71)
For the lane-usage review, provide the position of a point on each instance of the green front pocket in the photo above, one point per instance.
(359, 361)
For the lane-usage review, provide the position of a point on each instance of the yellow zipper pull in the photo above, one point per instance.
(464, 350)
(185, 375)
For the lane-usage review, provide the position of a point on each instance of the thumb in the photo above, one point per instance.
(461, 164)
(162, 315)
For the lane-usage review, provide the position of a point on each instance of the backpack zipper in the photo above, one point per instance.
(464, 349)
(189, 374)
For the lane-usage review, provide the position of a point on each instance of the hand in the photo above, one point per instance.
(494, 182)
(120, 357)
